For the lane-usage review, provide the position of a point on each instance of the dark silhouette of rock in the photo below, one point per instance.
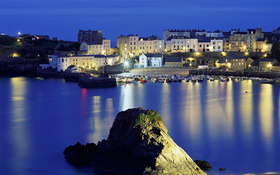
(204, 165)
(222, 169)
(138, 143)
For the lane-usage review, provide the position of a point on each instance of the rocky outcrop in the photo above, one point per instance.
(203, 165)
(138, 143)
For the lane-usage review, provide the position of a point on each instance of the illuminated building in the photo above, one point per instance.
(150, 60)
(181, 44)
(92, 48)
(151, 44)
(128, 45)
(84, 61)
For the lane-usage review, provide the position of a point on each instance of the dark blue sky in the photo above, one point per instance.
(63, 18)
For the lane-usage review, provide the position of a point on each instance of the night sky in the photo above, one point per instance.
(63, 18)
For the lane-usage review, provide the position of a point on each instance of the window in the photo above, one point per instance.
(214, 42)
(200, 45)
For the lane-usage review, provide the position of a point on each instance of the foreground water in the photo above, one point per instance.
(234, 125)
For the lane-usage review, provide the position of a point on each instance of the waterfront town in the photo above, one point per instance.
(233, 50)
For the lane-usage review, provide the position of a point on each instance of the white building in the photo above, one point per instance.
(150, 60)
(84, 61)
(217, 45)
(181, 44)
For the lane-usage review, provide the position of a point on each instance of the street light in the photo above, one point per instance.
(125, 65)
(19, 33)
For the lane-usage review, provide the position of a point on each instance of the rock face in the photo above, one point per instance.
(138, 143)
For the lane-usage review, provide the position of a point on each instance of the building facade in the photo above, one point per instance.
(128, 45)
(90, 36)
(237, 42)
(173, 62)
(92, 48)
(150, 60)
(265, 64)
(181, 44)
(61, 63)
(151, 44)
(240, 63)
(216, 45)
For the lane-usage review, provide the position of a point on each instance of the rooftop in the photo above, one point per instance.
(173, 59)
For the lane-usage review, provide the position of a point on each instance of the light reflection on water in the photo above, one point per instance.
(231, 124)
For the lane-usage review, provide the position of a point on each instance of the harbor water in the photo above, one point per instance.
(233, 124)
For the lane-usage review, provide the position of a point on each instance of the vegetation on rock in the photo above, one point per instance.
(151, 115)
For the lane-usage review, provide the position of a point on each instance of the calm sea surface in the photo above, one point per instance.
(214, 121)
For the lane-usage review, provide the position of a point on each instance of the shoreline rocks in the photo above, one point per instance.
(138, 143)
